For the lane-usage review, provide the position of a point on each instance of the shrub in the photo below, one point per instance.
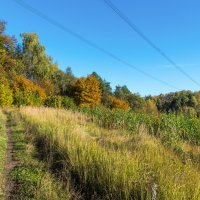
(60, 102)
(6, 95)
(27, 93)
(54, 101)
(115, 103)
(68, 103)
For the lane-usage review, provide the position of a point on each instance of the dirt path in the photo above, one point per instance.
(10, 163)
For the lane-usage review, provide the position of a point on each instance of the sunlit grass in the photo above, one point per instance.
(111, 164)
(3, 144)
(179, 133)
(32, 179)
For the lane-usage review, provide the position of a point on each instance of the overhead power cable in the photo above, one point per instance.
(88, 42)
(148, 40)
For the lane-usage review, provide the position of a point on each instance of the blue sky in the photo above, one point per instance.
(171, 24)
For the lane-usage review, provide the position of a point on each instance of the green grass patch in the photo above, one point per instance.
(30, 176)
(3, 145)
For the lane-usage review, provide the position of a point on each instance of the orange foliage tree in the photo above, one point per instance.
(87, 92)
(27, 93)
(115, 103)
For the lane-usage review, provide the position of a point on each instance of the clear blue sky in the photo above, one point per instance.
(172, 24)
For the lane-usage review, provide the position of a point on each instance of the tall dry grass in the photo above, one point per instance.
(110, 164)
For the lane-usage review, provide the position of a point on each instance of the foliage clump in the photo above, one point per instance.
(60, 102)
(115, 103)
(27, 93)
(87, 92)
(6, 95)
(29, 59)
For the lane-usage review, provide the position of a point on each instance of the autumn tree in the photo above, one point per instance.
(115, 103)
(87, 92)
(27, 93)
(7, 52)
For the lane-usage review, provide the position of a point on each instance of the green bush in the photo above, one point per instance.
(27, 99)
(68, 103)
(54, 101)
(60, 102)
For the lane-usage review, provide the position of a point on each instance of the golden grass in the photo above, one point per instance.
(112, 163)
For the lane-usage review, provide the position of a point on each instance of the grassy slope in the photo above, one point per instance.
(32, 178)
(111, 164)
(3, 144)
(179, 133)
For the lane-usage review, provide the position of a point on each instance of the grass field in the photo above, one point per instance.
(178, 132)
(3, 144)
(31, 176)
(114, 163)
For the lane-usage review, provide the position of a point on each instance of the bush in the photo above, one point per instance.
(68, 103)
(60, 102)
(54, 101)
(28, 93)
(115, 103)
(6, 95)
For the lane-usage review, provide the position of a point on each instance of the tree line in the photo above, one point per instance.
(30, 77)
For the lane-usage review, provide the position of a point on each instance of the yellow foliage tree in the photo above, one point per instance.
(87, 92)
(116, 103)
(28, 93)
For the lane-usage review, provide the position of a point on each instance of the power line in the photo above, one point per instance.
(88, 42)
(148, 40)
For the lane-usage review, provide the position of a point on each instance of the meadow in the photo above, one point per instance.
(180, 133)
(3, 142)
(118, 155)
